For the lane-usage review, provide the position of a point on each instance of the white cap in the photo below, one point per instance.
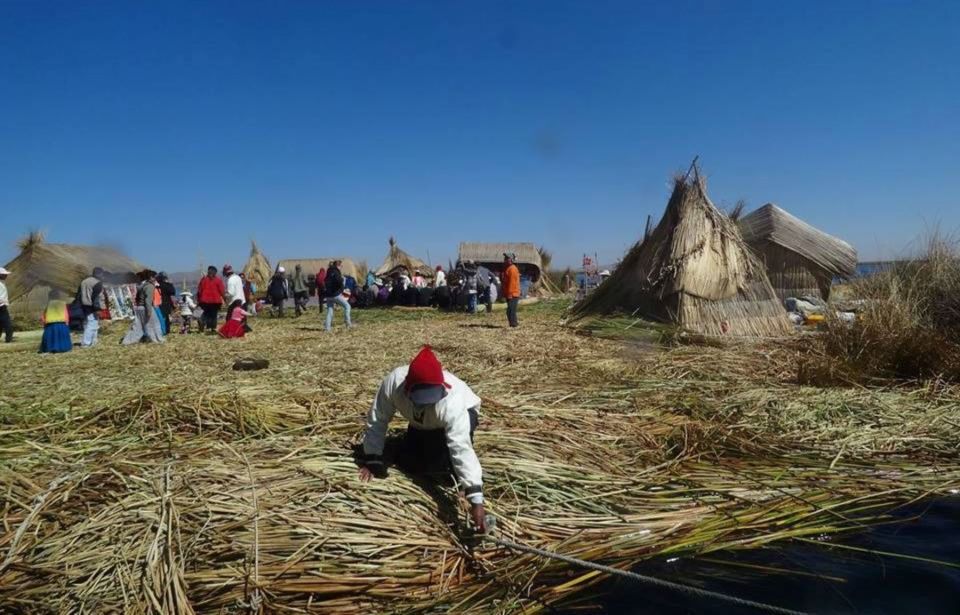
(186, 292)
(605, 272)
(281, 270)
(4, 271)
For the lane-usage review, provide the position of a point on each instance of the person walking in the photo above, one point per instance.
(146, 323)
(511, 287)
(333, 295)
(278, 291)
(320, 281)
(90, 294)
(301, 291)
(210, 293)
(5, 323)
(168, 299)
(440, 278)
(470, 285)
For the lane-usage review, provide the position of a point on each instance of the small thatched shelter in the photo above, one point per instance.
(800, 259)
(41, 267)
(693, 270)
(258, 270)
(490, 255)
(312, 265)
(397, 259)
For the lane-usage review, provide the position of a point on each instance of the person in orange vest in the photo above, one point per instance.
(511, 287)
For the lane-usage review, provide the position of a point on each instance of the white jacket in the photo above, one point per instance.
(234, 289)
(449, 414)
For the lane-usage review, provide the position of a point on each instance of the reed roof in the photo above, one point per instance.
(771, 224)
(311, 266)
(397, 259)
(693, 270)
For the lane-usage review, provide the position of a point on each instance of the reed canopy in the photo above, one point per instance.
(258, 270)
(397, 260)
(490, 255)
(800, 259)
(311, 266)
(41, 267)
(693, 270)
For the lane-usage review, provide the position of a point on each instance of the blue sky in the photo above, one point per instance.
(179, 130)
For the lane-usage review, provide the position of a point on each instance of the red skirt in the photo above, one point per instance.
(232, 328)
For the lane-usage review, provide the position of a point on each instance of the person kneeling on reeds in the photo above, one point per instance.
(442, 412)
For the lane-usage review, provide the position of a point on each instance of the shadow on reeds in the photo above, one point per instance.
(436, 484)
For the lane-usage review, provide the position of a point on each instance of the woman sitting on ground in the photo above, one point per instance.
(234, 326)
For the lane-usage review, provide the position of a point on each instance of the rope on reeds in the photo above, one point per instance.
(38, 503)
(633, 576)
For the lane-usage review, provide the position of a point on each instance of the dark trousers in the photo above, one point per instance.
(208, 320)
(300, 300)
(277, 303)
(425, 450)
(6, 324)
(512, 311)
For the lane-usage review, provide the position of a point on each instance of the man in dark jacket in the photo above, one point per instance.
(333, 295)
(278, 291)
(168, 297)
(90, 296)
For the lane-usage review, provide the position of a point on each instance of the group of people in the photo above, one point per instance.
(332, 290)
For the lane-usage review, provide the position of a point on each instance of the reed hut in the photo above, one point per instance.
(397, 259)
(490, 255)
(312, 265)
(693, 270)
(800, 259)
(258, 270)
(41, 267)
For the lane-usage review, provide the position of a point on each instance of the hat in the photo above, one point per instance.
(186, 293)
(424, 383)
(4, 271)
(227, 269)
(281, 270)
(511, 255)
(605, 272)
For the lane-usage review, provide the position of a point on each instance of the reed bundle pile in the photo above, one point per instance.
(145, 483)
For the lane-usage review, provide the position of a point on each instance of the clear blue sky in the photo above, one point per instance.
(179, 130)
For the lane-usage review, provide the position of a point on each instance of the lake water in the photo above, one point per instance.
(849, 582)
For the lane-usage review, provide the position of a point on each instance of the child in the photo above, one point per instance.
(187, 306)
(234, 326)
(56, 327)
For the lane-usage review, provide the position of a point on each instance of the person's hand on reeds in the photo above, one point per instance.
(478, 515)
(365, 474)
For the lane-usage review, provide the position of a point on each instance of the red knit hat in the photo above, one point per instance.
(425, 369)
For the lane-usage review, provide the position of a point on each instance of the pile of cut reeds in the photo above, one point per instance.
(148, 483)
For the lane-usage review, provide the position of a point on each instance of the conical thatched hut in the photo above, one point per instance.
(258, 269)
(800, 259)
(41, 267)
(693, 270)
(397, 259)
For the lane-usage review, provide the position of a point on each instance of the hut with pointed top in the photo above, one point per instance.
(693, 270)
(800, 259)
(258, 270)
(397, 260)
(41, 267)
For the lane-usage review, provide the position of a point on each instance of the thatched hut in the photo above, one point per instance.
(799, 258)
(258, 270)
(490, 255)
(312, 265)
(693, 270)
(41, 267)
(397, 259)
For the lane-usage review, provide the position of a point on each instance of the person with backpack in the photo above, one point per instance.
(333, 295)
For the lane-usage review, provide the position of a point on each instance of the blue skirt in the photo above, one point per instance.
(56, 338)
